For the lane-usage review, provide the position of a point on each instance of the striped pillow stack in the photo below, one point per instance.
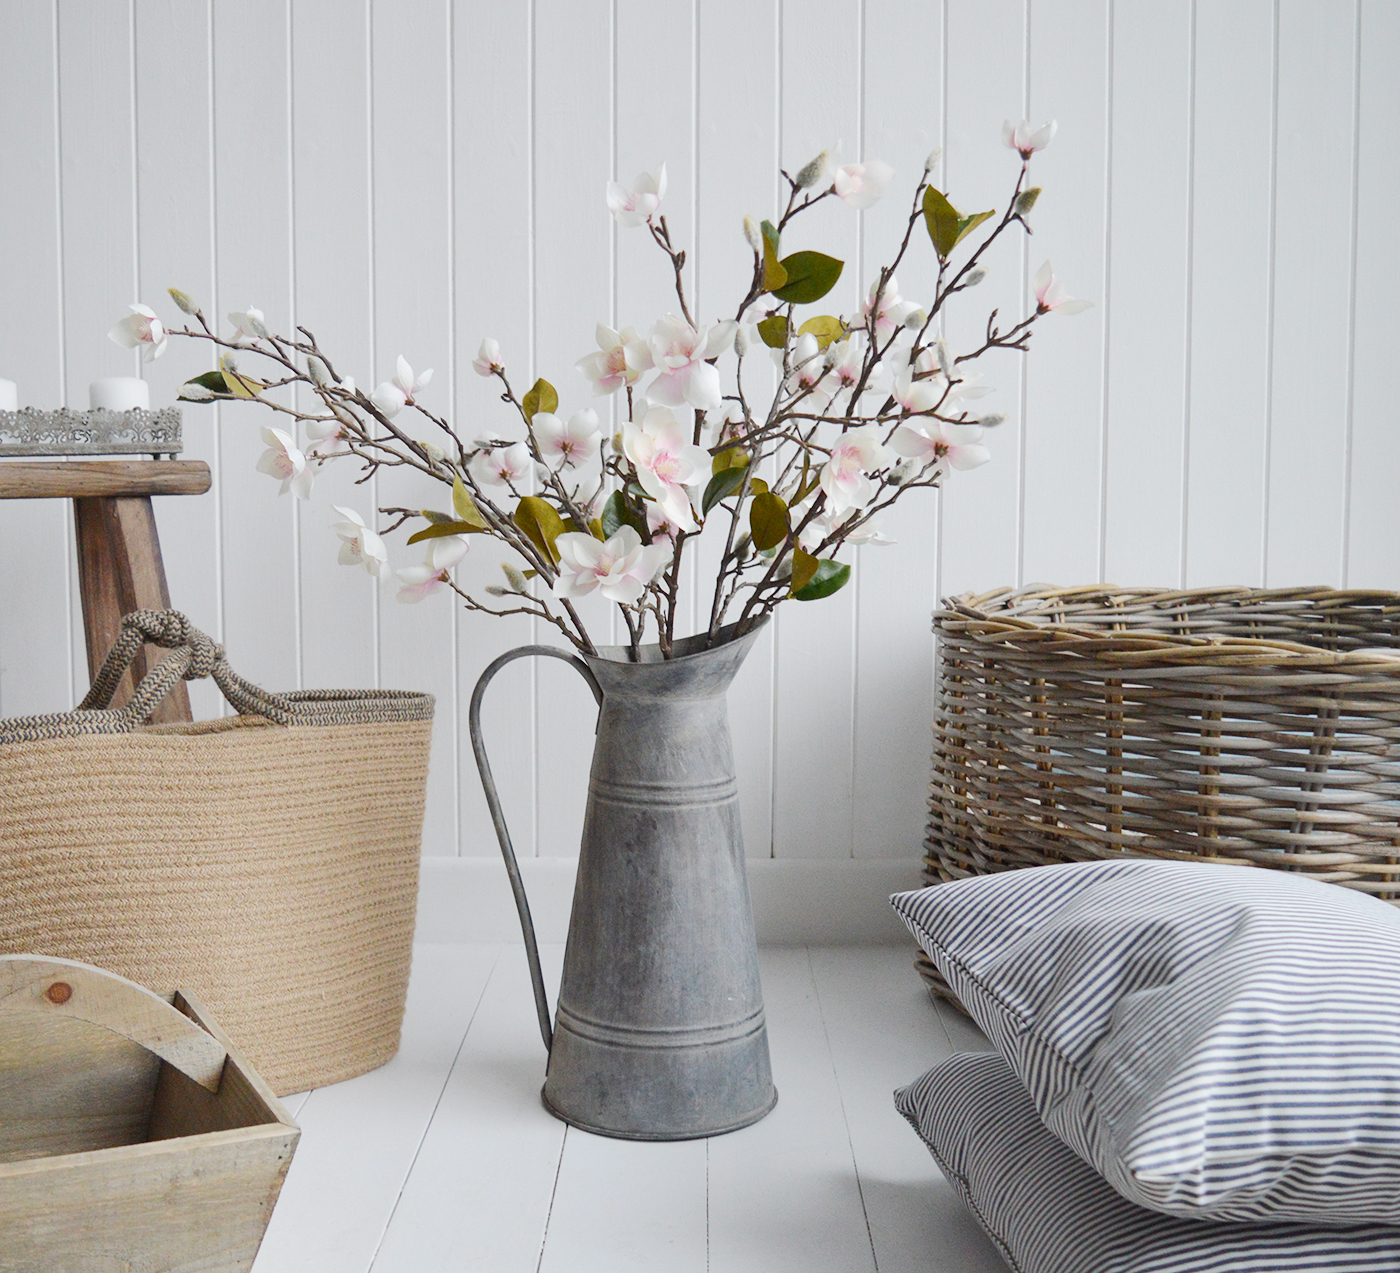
(1048, 1212)
(1217, 1043)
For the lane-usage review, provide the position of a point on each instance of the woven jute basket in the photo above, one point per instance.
(268, 861)
(1234, 725)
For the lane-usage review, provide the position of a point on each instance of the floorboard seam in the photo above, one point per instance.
(447, 1078)
(841, 1102)
(553, 1194)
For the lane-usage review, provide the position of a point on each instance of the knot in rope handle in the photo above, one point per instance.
(195, 657)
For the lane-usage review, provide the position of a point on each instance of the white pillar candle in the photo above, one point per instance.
(9, 396)
(119, 393)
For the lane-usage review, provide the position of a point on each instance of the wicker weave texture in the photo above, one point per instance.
(1239, 725)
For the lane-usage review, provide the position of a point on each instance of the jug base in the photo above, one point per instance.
(746, 1120)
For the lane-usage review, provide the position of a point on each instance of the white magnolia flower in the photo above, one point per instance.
(856, 454)
(621, 358)
(637, 206)
(359, 545)
(394, 395)
(936, 441)
(861, 185)
(659, 525)
(847, 358)
(284, 460)
(918, 395)
(1050, 294)
(563, 444)
(502, 465)
(678, 352)
(620, 569)
(488, 358)
(809, 374)
(140, 327)
(1025, 138)
(327, 434)
(667, 462)
(825, 523)
(248, 326)
(892, 310)
(422, 581)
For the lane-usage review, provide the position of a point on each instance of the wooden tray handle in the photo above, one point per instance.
(35, 983)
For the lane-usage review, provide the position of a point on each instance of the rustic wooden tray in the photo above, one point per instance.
(132, 1133)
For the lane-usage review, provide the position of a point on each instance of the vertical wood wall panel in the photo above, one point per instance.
(172, 117)
(252, 226)
(410, 94)
(1231, 219)
(1312, 292)
(492, 209)
(814, 764)
(35, 632)
(412, 176)
(573, 136)
(1374, 541)
(1149, 293)
(986, 85)
(894, 587)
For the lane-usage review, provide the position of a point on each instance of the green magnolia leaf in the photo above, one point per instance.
(213, 381)
(541, 523)
(595, 528)
(804, 567)
(810, 276)
(465, 506)
(808, 482)
(757, 486)
(773, 331)
(439, 530)
(724, 483)
(947, 227)
(618, 512)
(774, 275)
(238, 385)
(731, 457)
(829, 577)
(540, 398)
(825, 328)
(769, 522)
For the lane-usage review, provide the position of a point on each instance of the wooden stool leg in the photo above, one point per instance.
(120, 570)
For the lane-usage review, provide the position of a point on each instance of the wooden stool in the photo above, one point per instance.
(119, 562)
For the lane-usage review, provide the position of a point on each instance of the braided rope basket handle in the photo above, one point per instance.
(195, 657)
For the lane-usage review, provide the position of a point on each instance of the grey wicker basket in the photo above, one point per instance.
(1233, 725)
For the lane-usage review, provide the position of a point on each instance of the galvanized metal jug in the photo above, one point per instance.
(659, 1033)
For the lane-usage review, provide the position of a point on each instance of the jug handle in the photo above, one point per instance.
(493, 801)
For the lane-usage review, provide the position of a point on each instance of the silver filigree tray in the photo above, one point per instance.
(30, 431)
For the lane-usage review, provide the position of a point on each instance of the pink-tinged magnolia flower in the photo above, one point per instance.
(359, 545)
(659, 526)
(861, 185)
(678, 352)
(140, 327)
(284, 460)
(809, 374)
(844, 476)
(394, 395)
(667, 462)
(936, 441)
(1050, 294)
(918, 395)
(572, 443)
(327, 435)
(621, 358)
(488, 358)
(502, 465)
(637, 206)
(248, 326)
(892, 311)
(826, 522)
(1026, 139)
(422, 581)
(620, 569)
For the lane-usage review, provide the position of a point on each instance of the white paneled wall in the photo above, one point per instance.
(410, 175)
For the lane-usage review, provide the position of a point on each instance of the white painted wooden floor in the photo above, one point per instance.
(446, 1160)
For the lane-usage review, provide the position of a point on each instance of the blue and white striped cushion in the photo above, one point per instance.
(1048, 1212)
(1217, 1042)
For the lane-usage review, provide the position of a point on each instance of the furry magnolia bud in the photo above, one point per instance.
(812, 172)
(752, 235)
(741, 342)
(1025, 201)
(183, 301)
(317, 370)
(934, 156)
(517, 581)
(975, 276)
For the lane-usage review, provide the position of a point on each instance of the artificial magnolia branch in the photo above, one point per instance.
(867, 408)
